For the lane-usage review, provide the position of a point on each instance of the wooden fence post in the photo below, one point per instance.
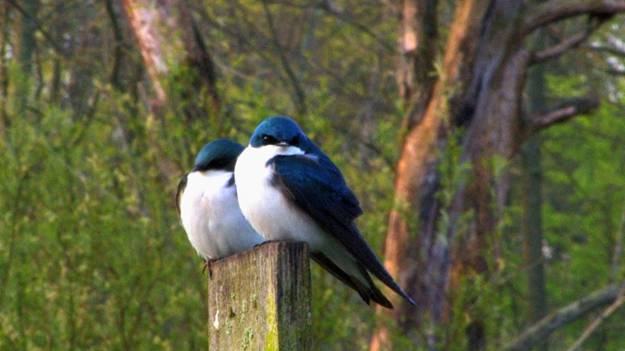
(260, 299)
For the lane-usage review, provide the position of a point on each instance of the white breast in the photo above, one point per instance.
(274, 217)
(264, 206)
(211, 216)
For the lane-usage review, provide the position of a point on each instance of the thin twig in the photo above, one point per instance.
(55, 46)
(299, 91)
(610, 50)
(341, 16)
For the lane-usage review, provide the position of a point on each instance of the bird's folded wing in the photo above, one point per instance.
(321, 192)
(318, 190)
(181, 186)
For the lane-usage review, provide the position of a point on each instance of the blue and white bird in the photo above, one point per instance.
(290, 190)
(208, 207)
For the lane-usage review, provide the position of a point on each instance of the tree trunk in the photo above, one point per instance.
(532, 201)
(418, 34)
(415, 207)
(25, 49)
(80, 85)
(532, 229)
(173, 52)
(4, 69)
(119, 47)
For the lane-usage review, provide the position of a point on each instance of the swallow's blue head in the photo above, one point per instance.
(278, 130)
(220, 154)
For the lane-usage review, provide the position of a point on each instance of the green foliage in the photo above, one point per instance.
(584, 194)
(586, 199)
(88, 238)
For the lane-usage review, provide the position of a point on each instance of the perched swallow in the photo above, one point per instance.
(208, 207)
(290, 190)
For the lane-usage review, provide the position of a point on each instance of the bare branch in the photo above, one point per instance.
(558, 49)
(53, 44)
(563, 112)
(597, 321)
(557, 10)
(567, 314)
(329, 7)
(565, 44)
(608, 50)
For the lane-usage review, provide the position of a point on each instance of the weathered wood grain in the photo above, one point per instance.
(260, 299)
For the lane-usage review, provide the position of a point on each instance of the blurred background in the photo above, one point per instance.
(484, 138)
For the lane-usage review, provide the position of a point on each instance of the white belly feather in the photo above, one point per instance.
(273, 216)
(211, 216)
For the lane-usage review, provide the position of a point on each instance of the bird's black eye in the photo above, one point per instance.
(269, 140)
(294, 141)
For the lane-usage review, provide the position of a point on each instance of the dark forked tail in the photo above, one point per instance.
(368, 292)
(368, 259)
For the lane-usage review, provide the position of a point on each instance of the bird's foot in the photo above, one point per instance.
(207, 266)
(266, 242)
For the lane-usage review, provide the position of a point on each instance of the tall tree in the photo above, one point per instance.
(433, 241)
(4, 69)
(418, 34)
(172, 48)
(532, 199)
(26, 47)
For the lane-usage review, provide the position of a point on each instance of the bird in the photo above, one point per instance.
(290, 190)
(207, 204)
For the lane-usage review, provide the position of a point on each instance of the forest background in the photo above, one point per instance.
(485, 139)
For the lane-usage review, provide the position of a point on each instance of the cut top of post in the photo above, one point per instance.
(260, 299)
